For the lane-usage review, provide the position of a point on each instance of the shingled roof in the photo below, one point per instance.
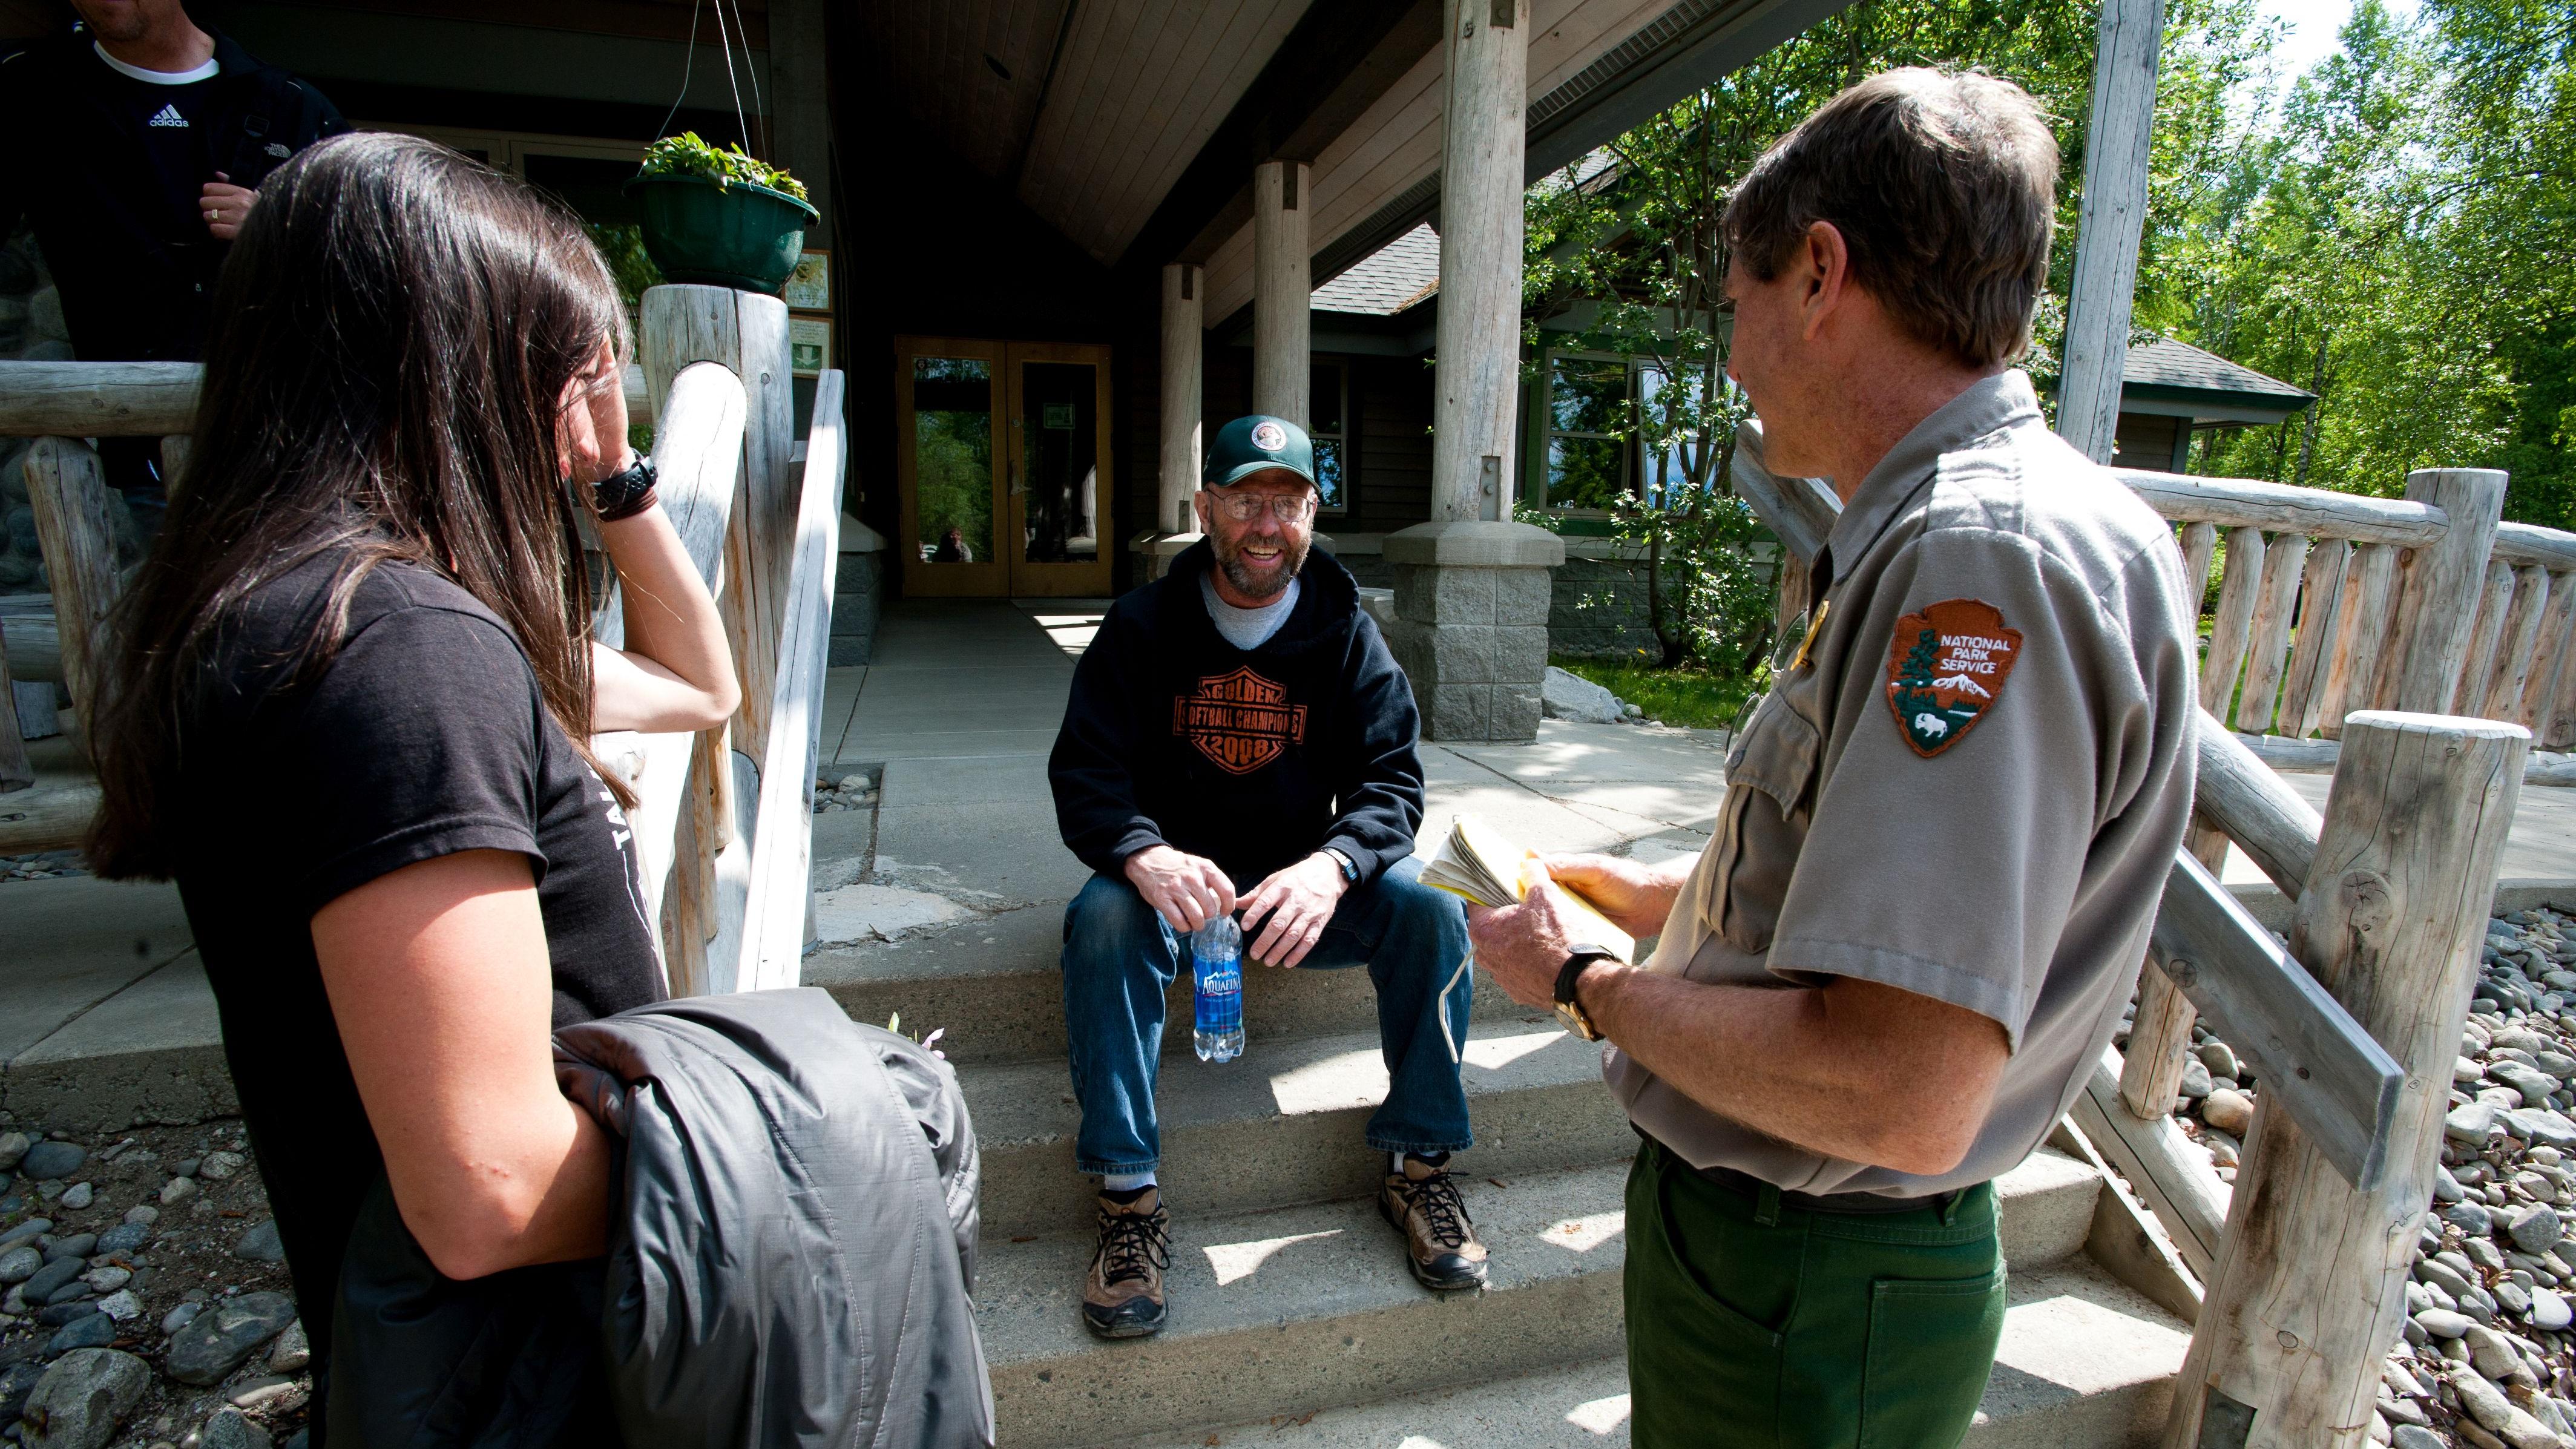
(2165, 363)
(1397, 276)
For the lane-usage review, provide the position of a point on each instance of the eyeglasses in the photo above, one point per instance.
(1286, 507)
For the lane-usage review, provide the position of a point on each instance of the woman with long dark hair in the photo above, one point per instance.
(349, 704)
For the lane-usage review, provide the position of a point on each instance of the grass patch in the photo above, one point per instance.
(1686, 696)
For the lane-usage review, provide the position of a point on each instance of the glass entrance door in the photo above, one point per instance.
(1003, 453)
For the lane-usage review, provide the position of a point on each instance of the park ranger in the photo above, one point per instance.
(1945, 830)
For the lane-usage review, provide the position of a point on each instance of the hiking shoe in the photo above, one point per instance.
(1123, 1296)
(1424, 1204)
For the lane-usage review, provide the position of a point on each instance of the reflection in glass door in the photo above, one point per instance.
(1003, 454)
(947, 410)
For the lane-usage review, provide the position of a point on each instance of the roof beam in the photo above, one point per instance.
(1690, 45)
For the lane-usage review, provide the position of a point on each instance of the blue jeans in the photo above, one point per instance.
(1120, 955)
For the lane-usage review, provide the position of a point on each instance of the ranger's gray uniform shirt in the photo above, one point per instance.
(1973, 788)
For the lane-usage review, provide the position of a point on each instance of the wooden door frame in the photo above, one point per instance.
(987, 578)
(1060, 580)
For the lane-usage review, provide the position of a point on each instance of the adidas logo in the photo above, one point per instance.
(168, 115)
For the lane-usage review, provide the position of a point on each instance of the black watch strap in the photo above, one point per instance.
(1572, 971)
(627, 493)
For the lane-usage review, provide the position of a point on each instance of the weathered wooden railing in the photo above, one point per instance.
(2331, 603)
(2352, 1025)
(723, 828)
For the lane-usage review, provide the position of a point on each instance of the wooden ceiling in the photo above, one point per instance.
(1089, 109)
(1396, 144)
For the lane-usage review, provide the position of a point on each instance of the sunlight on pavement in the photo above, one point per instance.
(1071, 632)
(1416, 1441)
(1345, 1079)
(1601, 1416)
(1236, 1261)
(1495, 1053)
(1582, 1235)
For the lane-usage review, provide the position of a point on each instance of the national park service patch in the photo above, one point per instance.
(1945, 668)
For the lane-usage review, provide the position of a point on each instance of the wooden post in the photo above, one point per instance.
(1484, 136)
(16, 773)
(2160, 1034)
(2285, 557)
(1184, 302)
(747, 335)
(2517, 647)
(2115, 213)
(68, 491)
(2238, 594)
(698, 447)
(2307, 1294)
(174, 462)
(2199, 543)
(1282, 363)
(2303, 691)
(2550, 661)
(2439, 607)
(2352, 677)
(2478, 662)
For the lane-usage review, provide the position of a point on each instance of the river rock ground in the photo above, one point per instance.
(155, 1242)
(2487, 1357)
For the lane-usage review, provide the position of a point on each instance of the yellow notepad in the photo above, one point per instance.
(1482, 865)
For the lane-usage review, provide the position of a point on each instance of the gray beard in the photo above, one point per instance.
(1229, 560)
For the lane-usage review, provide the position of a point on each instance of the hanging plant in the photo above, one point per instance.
(720, 217)
(687, 155)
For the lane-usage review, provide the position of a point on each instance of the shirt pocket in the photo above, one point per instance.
(1765, 821)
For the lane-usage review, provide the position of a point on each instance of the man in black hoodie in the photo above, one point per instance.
(136, 147)
(1240, 721)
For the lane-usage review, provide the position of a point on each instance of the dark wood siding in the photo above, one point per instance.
(1391, 451)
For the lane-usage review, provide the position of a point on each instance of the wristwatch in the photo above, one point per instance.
(625, 493)
(1568, 1009)
(1350, 868)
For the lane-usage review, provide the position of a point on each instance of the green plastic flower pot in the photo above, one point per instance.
(742, 236)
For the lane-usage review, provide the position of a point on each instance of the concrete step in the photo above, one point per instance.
(1284, 1311)
(1283, 1123)
(993, 982)
(2084, 1364)
(1276, 1314)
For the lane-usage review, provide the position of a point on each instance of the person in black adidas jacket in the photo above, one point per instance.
(1239, 740)
(136, 146)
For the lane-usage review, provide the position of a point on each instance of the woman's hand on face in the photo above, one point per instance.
(594, 421)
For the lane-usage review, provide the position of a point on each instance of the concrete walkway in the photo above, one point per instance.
(105, 1017)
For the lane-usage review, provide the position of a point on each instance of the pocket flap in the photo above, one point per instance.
(1777, 754)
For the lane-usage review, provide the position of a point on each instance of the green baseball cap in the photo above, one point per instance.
(1258, 444)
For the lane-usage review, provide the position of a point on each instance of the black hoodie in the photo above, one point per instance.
(1253, 759)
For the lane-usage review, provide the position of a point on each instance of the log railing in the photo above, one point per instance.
(723, 827)
(2353, 1024)
(2330, 603)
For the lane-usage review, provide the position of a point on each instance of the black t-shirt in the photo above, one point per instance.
(426, 736)
(173, 122)
(109, 170)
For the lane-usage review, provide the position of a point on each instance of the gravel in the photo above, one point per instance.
(157, 1284)
(2488, 1356)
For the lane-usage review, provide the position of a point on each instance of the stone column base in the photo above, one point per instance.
(1471, 604)
(1155, 551)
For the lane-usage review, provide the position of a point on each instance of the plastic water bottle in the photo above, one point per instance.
(1216, 969)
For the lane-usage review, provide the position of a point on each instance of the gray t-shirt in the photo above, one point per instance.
(1972, 790)
(1248, 629)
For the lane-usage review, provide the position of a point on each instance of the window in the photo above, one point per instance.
(1673, 469)
(1329, 406)
(1587, 399)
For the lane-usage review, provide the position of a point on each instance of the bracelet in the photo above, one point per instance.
(624, 494)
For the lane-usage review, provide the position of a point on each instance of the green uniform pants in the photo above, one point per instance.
(1755, 1324)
